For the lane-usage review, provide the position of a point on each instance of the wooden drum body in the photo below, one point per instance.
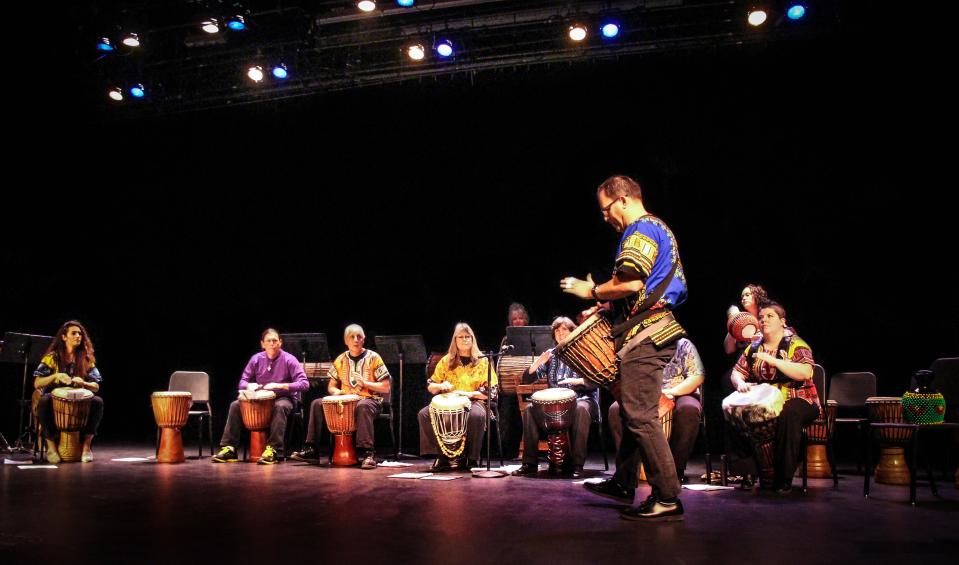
(553, 409)
(666, 417)
(171, 410)
(590, 351)
(339, 411)
(449, 414)
(510, 370)
(817, 436)
(892, 468)
(256, 409)
(756, 415)
(71, 409)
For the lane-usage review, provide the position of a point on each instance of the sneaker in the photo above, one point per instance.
(52, 456)
(369, 462)
(268, 457)
(612, 489)
(658, 511)
(87, 456)
(226, 455)
(309, 455)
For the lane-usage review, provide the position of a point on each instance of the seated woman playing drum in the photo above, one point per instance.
(783, 360)
(559, 375)
(68, 362)
(460, 372)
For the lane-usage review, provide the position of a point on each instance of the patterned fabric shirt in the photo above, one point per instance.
(50, 364)
(556, 370)
(467, 378)
(685, 363)
(345, 373)
(754, 370)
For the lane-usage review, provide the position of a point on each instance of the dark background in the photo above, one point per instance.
(801, 165)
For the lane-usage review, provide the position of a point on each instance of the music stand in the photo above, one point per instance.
(307, 347)
(26, 349)
(399, 349)
(529, 340)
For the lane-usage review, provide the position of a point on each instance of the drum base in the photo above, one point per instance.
(817, 462)
(559, 454)
(343, 453)
(892, 468)
(171, 446)
(257, 444)
(70, 448)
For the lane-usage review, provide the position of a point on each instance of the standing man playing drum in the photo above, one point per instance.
(358, 371)
(275, 370)
(647, 283)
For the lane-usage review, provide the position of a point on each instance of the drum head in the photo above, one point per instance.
(334, 398)
(257, 394)
(764, 394)
(450, 401)
(171, 394)
(553, 395)
(70, 393)
(583, 328)
(884, 400)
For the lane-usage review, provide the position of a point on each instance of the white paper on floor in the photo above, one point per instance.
(707, 487)
(593, 480)
(409, 475)
(394, 464)
(15, 462)
(504, 468)
(442, 477)
(36, 466)
(130, 459)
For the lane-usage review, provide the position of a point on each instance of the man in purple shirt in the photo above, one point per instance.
(275, 370)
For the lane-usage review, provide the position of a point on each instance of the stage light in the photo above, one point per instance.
(236, 23)
(116, 94)
(105, 45)
(610, 30)
(366, 5)
(444, 48)
(137, 91)
(416, 52)
(796, 12)
(255, 73)
(577, 32)
(280, 71)
(406, 3)
(757, 17)
(131, 40)
(210, 26)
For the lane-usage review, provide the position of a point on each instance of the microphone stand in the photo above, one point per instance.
(489, 473)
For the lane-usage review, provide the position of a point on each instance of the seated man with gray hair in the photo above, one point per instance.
(358, 371)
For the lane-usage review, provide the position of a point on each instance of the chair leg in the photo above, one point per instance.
(709, 469)
(831, 455)
(805, 465)
(393, 444)
(602, 445)
(723, 471)
(210, 430)
(199, 437)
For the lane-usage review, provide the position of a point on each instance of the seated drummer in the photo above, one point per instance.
(460, 371)
(559, 375)
(271, 369)
(356, 371)
(69, 362)
(682, 378)
(780, 358)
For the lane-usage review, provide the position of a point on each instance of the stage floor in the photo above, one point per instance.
(198, 511)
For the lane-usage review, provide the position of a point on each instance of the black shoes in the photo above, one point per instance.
(612, 489)
(784, 489)
(653, 510)
(441, 465)
(526, 470)
(308, 455)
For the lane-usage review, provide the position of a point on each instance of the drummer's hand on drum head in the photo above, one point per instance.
(577, 287)
(76, 381)
(571, 382)
(62, 379)
(274, 386)
(743, 386)
(252, 386)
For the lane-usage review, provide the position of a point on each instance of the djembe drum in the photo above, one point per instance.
(171, 410)
(892, 468)
(818, 435)
(449, 414)
(256, 409)
(510, 370)
(553, 409)
(756, 415)
(666, 406)
(742, 326)
(591, 352)
(71, 408)
(339, 410)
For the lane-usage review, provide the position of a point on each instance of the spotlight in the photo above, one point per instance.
(255, 73)
(210, 26)
(137, 91)
(757, 17)
(577, 32)
(406, 3)
(116, 94)
(444, 48)
(610, 30)
(236, 23)
(796, 11)
(105, 45)
(416, 52)
(131, 40)
(366, 5)
(280, 71)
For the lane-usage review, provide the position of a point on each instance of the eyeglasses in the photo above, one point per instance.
(606, 208)
(464, 337)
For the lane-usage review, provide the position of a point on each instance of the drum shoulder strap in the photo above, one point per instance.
(643, 311)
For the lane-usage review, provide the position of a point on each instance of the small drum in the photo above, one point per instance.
(756, 415)
(591, 352)
(449, 414)
(510, 371)
(742, 326)
(666, 406)
(892, 468)
(71, 408)
(553, 409)
(256, 409)
(817, 435)
(171, 410)
(339, 410)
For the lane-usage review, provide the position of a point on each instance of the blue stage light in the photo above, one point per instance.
(280, 71)
(406, 3)
(137, 91)
(236, 23)
(796, 12)
(105, 45)
(610, 30)
(444, 48)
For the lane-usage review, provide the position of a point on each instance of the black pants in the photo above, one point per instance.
(475, 426)
(640, 386)
(49, 424)
(234, 424)
(686, 416)
(788, 443)
(366, 411)
(583, 415)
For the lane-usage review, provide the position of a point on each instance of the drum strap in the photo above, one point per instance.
(621, 330)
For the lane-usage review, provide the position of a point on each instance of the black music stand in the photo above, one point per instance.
(307, 347)
(22, 349)
(489, 473)
(529, 340)
(399, 349)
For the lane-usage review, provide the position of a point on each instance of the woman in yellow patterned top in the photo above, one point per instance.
(460, 371)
